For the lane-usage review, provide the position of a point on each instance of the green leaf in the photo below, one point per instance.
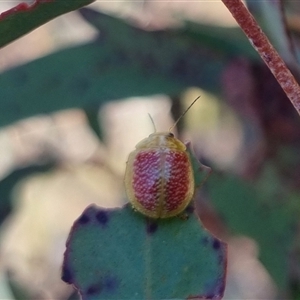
(201, 172)
(248, 210)
(24, 18)
(120, 254)
(230, 42)
(114, 66)
(92, 116)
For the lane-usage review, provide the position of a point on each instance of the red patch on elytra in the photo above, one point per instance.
(161, 176)
(178, 183)
(146, 178)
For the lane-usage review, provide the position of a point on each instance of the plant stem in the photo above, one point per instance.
(267, 52)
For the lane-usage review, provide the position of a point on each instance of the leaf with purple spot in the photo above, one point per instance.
(120, 254)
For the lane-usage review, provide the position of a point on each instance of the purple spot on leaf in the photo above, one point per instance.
(216, 244)
(67, 275)
(190, 209)
(84, 219)
(151, 226)
(94, 289)
(110, 284)
(102, 217)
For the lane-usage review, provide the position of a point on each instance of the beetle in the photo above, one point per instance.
(159, 179)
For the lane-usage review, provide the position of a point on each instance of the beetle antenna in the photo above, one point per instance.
(152, 122)
(180, 117)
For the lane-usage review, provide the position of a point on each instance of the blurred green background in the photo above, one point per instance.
(74, 100)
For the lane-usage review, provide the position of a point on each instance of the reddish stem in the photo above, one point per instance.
(267, 52)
